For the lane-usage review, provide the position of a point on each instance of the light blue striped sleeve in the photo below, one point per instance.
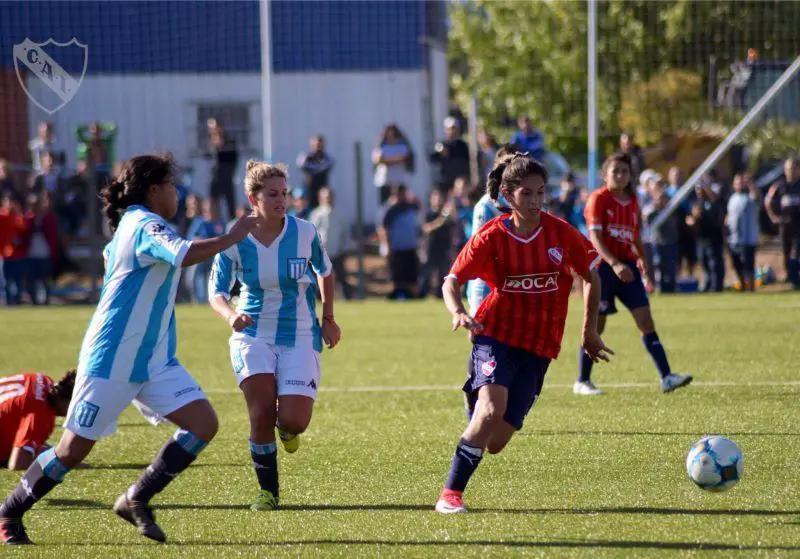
(319, 257)
(223, 275)
(157, 242)
(482, 215)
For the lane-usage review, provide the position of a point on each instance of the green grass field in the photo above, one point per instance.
(587, 477)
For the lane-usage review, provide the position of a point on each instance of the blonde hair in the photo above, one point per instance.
(259, 172)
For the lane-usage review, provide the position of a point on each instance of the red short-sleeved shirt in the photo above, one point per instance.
(616, 220)
(531, 280)
(26, 419)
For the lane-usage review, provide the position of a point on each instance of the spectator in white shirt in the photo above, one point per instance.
(333, 233)
(44, 142)
(393, 158)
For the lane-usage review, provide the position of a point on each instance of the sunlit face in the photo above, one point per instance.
(325, 197)
(618, 175)
(163, 199)
(739, 184)
(675, 176)
(527, 199)
(271, 201)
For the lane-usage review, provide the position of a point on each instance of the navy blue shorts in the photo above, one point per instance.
(633, 295)
(522, 372)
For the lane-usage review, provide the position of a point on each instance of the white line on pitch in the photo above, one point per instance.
(438, 388)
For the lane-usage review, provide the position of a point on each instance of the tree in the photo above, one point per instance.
(530, 58)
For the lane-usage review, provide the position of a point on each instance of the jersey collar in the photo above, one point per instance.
(506, 224)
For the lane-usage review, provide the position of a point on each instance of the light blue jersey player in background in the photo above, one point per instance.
(477, 290)
(129, 351)
(276, 342)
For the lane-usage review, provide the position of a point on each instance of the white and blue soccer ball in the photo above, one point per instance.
(715, 463)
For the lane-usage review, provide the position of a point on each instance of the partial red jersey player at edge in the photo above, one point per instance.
(29, 405)
(527, 258)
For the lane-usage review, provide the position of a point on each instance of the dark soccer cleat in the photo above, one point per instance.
(141, 516)
(12, 532)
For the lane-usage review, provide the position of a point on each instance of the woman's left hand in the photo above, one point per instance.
(331, 333)
(594, 347)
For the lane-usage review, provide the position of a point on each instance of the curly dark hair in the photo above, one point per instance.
(62, 390)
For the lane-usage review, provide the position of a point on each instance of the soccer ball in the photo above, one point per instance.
(715, 463)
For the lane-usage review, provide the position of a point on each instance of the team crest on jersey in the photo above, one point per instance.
(556, 254)
(297, 267)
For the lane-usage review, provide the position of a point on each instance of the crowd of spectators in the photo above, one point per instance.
(419, 239)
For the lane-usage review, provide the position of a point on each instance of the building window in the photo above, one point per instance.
(235, 119)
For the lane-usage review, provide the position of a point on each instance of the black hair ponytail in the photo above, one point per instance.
(510, 170)
(495, 180)
(131, 186)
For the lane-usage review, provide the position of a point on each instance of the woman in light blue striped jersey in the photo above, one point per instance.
(277, 338)
(128, 352)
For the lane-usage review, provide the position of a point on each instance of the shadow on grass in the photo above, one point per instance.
(135, 466)
(656, 433)
(533, 544)
(89, 504)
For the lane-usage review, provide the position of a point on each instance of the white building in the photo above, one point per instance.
(158, 70)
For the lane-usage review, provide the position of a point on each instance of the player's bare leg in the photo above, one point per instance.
(500, 438)
(294, 416)
(584, 385)
(260, 393)
(41, 477)
(486, 420)
(197, 425)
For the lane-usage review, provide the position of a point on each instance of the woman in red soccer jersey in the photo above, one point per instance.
(612, 217)
(527, 259)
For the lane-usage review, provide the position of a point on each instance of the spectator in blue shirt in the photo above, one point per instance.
(527, 138)
(399, 234)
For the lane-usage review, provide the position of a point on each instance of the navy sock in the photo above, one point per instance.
(653, 346)
(42, 476)
(465, 462)
(265, 462)
(585, 364)
(174, 457)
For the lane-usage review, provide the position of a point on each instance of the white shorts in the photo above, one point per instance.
(296, 369)
(98, 402)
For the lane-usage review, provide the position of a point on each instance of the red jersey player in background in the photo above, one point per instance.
(29, 405)
(527, 258)
(612, 217)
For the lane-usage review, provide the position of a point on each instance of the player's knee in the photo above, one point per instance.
(646, 324)
(262, 418)
(293, 424)
(206, 428)
(489, 414)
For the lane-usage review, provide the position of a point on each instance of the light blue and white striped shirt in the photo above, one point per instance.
(485, 210)
(277, 283)
(132, 333)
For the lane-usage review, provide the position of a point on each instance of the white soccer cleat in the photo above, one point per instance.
(673, 381)
(586, 388)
